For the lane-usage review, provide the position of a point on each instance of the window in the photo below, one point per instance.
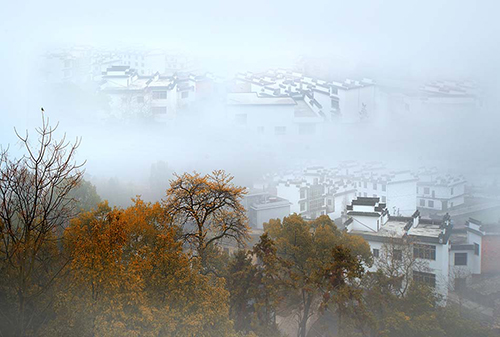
(425, 278)
(460, 259)
(430, 203)
(422, 202)
(159, 110)
(260, 130)
(330, 202)
(159, 95)
(280, 130)
(365, 194)
(365, 184)
(307, 129)
(427, 252)
(476, 249)
(359, 184)
(302, 193)
(241, 119)
(140, 99)
(407, 107)
(376, 252)
(397, 254)
(374, 195)
(427, 190)
(375, 186)
(451, 204)
(451, 191)
(335, 104)
(384, 187)
(185, 94)
(302, 206)
(383, 199)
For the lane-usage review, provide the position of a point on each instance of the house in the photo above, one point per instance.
(439, 192)
(158, 96)
(428, 241)
(261, 207)
(305, 199)
(272, 116)
(347, 102)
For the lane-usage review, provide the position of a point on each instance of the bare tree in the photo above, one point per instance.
(398, 262)
(208, 208)
(34, 206)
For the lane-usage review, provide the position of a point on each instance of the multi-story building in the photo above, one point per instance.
(261, 207)
(305, 199)
(158, 96)
(427, 241)
(438, 192)
(397, 189)
(276, 116)
(348, 102)
(446, 258)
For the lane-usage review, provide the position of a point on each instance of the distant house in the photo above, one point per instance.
(439, 192)
(157, 95)
(272, 116)
(346, 102)
(262, 207)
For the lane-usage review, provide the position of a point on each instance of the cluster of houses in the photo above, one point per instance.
(386, 209)
(276, 102)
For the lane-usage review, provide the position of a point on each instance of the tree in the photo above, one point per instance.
(35, 205)
(129, 276)
(208, 208)
(316, 263)
(86, 196)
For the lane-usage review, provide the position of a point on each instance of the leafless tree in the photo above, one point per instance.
(34, 206)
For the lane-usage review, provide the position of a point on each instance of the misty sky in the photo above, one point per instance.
(416, 39)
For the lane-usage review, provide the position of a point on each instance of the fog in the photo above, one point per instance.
(388, 41)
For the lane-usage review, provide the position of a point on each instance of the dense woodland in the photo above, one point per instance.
(72, 265)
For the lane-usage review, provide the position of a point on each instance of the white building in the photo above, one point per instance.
(261, 207)
(277, 116)
(158, 96)
(449, 256)
(347, 102)
(397, 189)
(428, 240)
(439, 192)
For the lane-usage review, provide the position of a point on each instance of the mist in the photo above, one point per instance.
(403, 50)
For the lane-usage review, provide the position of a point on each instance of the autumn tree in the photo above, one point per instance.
(129, 276)
(316, 263)
(35, 205)
(208, 208)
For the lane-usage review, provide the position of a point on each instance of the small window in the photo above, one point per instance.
(302, 193)
(451, 191)
(476, 249)
(159, 110)
(425, 278)
(241, 119)
(359, 184)
(430, 203)
(427, 252)
(427, 190)
(407, 107)
(307, 129)
(280, 130)
(365, 194)
(376, 253)
(365, 185)
(384, 187)
(260, 130)
(383, 199)
(159, 95)
(330, 202)
(397, 254)
(422, 202)
(302, 206)
(375, 186)
(185, 94)
(460, 259)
